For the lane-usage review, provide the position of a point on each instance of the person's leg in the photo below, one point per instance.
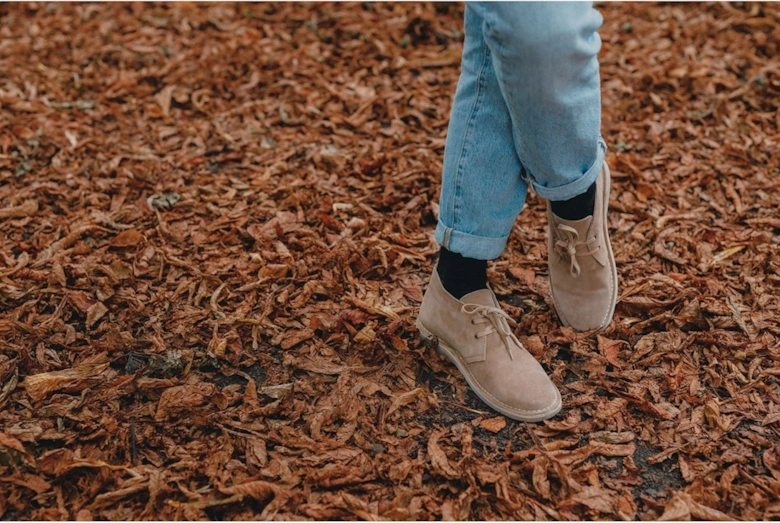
(482, 190)
(482, 193)
(545, 60)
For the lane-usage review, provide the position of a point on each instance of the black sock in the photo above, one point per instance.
(460, 275)
(578, 207)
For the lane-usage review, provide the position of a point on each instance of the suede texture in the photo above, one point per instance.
(585, 300)
(515, 385)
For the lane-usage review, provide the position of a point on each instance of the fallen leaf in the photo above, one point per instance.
(128, 238)
(183, 398)
(366, 334)
(277, 391)
(163, 98)
(704, 512)
(12, 443)
(676, 510)
(772, 417)
(94, 313)
(294, 338)
(26, 209)
(256, 453)
(404, 399)
(39, 386)
(772, 462)
(81, 300)
(523, 275)
(31, 481)
(611, 437)
(572, 420)
(13, 452)
(274, 271)
(440, 464)
(261, 491)
(727, 253)
(59, 461)
(493, 424)
(596, 498)
(539, 477)
(610, 349)
(9, 386)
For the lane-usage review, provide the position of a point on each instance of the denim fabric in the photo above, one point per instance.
(527, 110)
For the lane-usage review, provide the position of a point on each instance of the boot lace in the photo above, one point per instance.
(566, 247)
(497, 320)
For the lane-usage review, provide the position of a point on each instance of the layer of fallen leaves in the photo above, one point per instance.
(216, 227)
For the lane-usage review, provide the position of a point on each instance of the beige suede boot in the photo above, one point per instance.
(583, 276)
(475, 335)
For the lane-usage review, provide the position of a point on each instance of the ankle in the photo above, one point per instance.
(460, 275)
(578, 207)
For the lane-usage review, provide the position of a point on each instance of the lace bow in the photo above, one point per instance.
(567, 247)
(497, 320)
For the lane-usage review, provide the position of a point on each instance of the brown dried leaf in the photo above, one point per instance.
(26, 209)
(293, 339)
(163, 98)
(610, 349)
(256, 453)
(81, 300)
(183, 399)
(258, 490)
(382, 310)
(440, 464)
(772, 462)
(7, 387)
(39, 386)
(33, 482)
(12, 450)
(57, 275)
(713, 417)
(524, 275)
(59, 461)
(405, 399)
(596, 498)
(676, 510)
(611, 437)
(539, 478)
(94, 313)
(107, 499)
(571, 421)
(772, 417)
(493, 424)
(274, 271)
(128, 238)
(366, 334)
(703, 512)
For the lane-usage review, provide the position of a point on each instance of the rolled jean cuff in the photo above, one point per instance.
(469, 245)
(578, 186)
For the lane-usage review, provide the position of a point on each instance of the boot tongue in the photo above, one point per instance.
(581, 226)
(481, 297)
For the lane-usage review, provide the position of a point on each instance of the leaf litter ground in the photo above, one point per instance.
(216, 227)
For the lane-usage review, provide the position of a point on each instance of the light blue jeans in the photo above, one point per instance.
(527, 110)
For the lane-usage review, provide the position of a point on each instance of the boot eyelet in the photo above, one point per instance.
(476, 337)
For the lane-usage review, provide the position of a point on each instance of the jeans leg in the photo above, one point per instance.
(545, 59)
(482, 190)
